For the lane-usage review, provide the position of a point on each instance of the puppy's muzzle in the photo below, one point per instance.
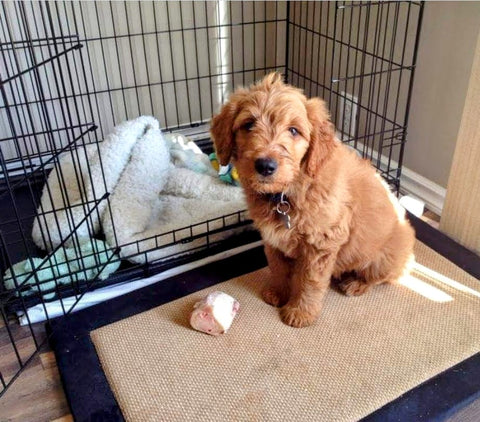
(265, 166)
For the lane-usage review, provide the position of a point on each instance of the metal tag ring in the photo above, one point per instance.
(283, 207)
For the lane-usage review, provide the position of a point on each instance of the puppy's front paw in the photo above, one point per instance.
(296, 317)
(273, 297)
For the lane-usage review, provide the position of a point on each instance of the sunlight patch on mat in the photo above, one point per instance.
(424, 289)
(440, 278)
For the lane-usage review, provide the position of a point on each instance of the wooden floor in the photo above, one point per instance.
(431, 218)
(37, 395)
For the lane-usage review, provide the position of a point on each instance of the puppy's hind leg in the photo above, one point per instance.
(351, 284)
(383, 270)
(389, 265)
(277, 291)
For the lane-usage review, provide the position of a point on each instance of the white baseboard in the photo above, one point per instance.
(422, 188)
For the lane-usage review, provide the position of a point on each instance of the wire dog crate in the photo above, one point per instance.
(72, 71)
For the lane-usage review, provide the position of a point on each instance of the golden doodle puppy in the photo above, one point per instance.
(323, 212)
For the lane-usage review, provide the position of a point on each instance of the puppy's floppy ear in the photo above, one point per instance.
(221, 129)
(322, 137)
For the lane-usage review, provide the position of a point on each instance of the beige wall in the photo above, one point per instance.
(445, 57)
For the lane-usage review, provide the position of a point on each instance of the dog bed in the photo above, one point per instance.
(398, 353)
(164, 197)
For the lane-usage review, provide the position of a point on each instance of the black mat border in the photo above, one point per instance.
(91, 399)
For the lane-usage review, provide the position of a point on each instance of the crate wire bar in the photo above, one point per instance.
(71, 71)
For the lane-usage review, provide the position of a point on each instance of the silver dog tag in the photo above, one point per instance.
(286, 221)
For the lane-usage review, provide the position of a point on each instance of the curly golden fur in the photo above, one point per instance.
(345, 224)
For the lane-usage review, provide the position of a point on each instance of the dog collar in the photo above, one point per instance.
(276, 198)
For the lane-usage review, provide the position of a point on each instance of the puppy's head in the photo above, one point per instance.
(273, 134)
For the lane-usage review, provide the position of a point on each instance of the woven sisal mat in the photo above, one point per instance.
(361, 354)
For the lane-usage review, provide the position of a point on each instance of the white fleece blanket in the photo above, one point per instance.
(156, 207)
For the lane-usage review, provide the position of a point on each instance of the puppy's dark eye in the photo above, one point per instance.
(248, 125)
(293, 131)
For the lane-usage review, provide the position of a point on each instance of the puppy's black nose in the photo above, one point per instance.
(265, 166)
